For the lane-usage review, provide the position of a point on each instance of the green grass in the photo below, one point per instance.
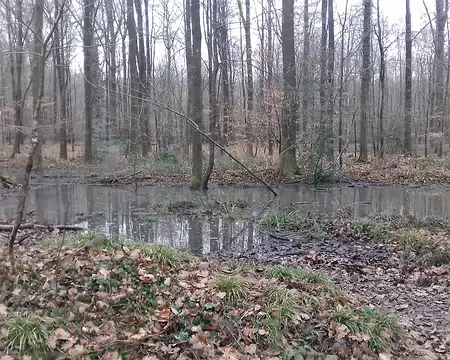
(411, 238)
(284, 220)
(164, 255)
(285, 273)
(380, 329)
(234, 287)
(26, 335)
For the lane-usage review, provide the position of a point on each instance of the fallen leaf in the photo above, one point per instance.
(111, 355)
(3, 310)
(251, 349)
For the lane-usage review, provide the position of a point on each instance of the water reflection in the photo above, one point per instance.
(125, 215)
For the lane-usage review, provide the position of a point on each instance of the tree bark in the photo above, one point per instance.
(248, 55)
(330, 85)
(288, 161)
(134, 78)
(306, 80)
(408, 83)
(59, 49)
(365, 81)
(35, 86)
(88, 43)
(197, 106)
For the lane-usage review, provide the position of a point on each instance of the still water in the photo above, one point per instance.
(121, 213)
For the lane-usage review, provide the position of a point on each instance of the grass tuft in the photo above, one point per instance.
(164, 255)
(234, 287)
(26, 335)
(380, 329)
(411, 238)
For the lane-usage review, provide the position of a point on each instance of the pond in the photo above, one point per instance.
(121, 213)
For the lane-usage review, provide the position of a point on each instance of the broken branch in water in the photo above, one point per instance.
(5, 227)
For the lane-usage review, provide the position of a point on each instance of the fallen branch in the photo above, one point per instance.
(6, 227)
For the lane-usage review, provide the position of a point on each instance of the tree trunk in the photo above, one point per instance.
(213, 67)
(189, 70)
(16, 63)
(112, 73)
(306, 81)
(88, 43)
(223, 52)
(134, 77)
(438, 113)
(322, 134)
(35, 86)
(248, 54)
(143, 110)
(270, 76)
(288, 161)
(365, 81)
(408, 84)
(197, 106)
(59, 49)
(341, 88)
(382, 76)
(330, 101)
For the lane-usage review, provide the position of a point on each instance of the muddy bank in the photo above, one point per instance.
(408, 281)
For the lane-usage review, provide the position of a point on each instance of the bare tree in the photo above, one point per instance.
(365, 81)
(248, 54)
(306, 59)
(408, 83)
(88, 45)
(330, 84)
(197, 105)
(134, 79)
(288, 161)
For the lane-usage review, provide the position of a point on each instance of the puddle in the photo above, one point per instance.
(120, 213)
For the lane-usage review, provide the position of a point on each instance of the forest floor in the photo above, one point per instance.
(399, 266)
(112, 168)
(111, 301)
(328, 288)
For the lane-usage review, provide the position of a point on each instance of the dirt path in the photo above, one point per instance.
(380, 277)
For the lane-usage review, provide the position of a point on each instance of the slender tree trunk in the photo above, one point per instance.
(306, 80)
(270, 76)
(223, 50)
(382, 76)
(408, 83)
(213, 67)
(330, 85)
(37, 60)
(143, 110)
(248, 54)
(59, 49)
(365, 81)
(288, 161)
(16, 63)
(322, 134)
(438, 113)
(148, 42)
(112, 74)
(134, 76)
(197, 105)
(88, 44)
(341, 87)
(189, 70)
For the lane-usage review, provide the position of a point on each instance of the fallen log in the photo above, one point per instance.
(6, 227)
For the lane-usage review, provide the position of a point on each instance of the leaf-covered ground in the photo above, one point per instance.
(108, 301)
(400, 266)
(111, 167)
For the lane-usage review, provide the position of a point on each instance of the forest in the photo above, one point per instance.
(295, 88)
(236, 180)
